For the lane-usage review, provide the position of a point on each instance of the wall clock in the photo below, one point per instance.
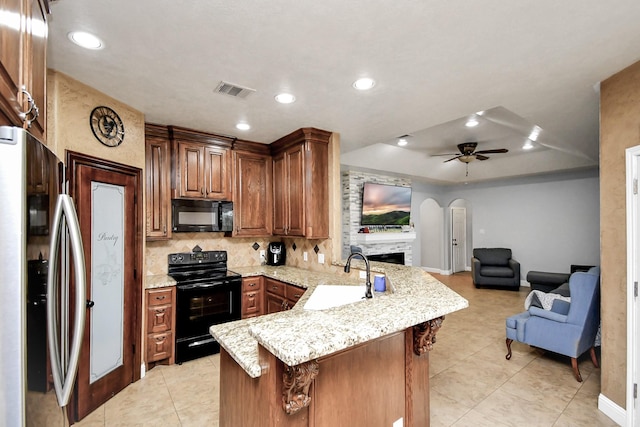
(107, 126)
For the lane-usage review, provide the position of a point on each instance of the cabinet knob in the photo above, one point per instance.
(160, 297)
(252, 284)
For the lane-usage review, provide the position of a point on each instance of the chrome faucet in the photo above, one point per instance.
(347, 269)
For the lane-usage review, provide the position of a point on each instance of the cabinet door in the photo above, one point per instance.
(35, 72)
(280, 190)
(191, 164)
(12, 43)
(252, 203)
(158, 200)
(217, 176)
(274, 303)
(296, 190)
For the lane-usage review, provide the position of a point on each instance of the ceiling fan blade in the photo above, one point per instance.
(445, 154)
(481, 157)
(453, 158)
(497, 150)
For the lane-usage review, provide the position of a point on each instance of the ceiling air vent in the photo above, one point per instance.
(234, 90)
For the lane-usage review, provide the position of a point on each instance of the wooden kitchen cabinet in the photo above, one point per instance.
(252, 296)
(301, 184)
(252, 214)
(157, 194)
(202, 165)
(23, 69)
(280, 296)
(160, 325)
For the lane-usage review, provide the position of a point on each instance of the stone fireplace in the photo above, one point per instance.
(377, 243)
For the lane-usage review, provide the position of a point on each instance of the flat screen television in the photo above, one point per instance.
(384, 204)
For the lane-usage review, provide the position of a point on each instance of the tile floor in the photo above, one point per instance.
(471, 382)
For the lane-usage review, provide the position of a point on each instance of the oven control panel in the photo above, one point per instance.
(197, 257)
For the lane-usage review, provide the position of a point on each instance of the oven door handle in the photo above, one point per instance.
(200, 285)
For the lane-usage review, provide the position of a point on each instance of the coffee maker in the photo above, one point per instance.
(276, 253)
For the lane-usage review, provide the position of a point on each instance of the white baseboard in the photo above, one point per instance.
(525, 283)
(437, 271)
(143, 370)
(612, 410)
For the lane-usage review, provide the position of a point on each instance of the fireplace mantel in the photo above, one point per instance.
(366, 238)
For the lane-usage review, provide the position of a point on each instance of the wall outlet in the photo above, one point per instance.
(363, 274)
(320, 258)
(262, 255)
(398, 423)
(305, 256)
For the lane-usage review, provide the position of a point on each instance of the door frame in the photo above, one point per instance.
(633, 268)
(74, 160)
(464, 234)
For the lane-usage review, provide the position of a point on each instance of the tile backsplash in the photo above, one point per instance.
(240, 251)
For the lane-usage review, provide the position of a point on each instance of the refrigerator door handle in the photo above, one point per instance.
(64, 371)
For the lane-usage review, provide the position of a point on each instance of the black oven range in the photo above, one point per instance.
(206, 294)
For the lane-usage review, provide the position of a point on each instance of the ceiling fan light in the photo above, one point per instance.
(402, 142)
(467, 158)
(527, 145)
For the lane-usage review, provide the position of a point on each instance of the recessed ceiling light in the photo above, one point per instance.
(86, 40)
(285, 98)
(364, 83)
(472, 122)
(402, 142)
(243, 126)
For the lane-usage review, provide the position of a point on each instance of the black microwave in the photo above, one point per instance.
(201, 215)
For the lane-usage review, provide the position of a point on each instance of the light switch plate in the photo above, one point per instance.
(305, 256)
(262, 255)
(363, 274)
(320, 258)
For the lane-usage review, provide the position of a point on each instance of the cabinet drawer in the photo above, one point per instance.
(159, 346)
(159, 296)
(251, 303)
(250, 284)
(275, 287)
(294, 293)
(159, 318)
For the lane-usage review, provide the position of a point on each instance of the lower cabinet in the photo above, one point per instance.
(252, 296)
(160, 325)
(280, 296)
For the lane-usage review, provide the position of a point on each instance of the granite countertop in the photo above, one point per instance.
(153, 281)
(296, 336)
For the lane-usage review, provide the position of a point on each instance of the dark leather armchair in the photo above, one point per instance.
(494, 267)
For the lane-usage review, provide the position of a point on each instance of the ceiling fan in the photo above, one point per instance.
(468, 153)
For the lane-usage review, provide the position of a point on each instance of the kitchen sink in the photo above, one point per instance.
(328, 296)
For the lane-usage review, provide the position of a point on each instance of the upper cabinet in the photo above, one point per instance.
(157, 194)
(23, 40)
(301, 184)
(201, 165)
(252, 190)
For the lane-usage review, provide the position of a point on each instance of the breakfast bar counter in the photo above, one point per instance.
(365, 362)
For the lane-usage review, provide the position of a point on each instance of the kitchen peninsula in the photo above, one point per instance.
(359, 364)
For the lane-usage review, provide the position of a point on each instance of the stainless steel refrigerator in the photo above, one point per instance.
(41, 270)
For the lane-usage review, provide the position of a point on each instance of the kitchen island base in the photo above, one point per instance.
(371, 384)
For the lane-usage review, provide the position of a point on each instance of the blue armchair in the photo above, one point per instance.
(568, 328)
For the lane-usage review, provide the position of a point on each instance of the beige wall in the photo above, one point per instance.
(69, 104)
(619, 129)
